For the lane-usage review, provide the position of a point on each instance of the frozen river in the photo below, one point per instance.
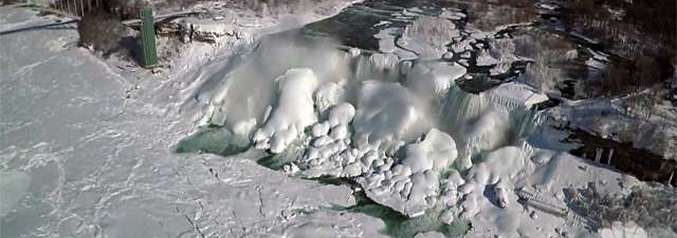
(407, 122)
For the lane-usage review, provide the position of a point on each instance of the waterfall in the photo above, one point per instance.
(486, 121)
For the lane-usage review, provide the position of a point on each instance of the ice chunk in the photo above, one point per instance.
(320, 129)
(341, 114)
(293, 112)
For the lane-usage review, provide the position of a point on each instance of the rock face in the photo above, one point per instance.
(101, 31)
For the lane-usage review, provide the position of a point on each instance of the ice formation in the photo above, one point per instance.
(384, 133)
(387, 113)
(498, 170)
(292, 114)
(398, 123)
(410, 184)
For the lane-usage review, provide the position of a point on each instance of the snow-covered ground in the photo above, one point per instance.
(86, 151)
(369, 143)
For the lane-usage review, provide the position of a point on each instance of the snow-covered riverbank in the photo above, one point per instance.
(87, 152)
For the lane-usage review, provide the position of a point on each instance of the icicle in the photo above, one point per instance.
(598, 154)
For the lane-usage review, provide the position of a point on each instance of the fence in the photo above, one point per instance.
(69, 7)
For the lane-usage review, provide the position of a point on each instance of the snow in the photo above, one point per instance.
(292, 114)
(94, 150)
(427, 36)
(92, 144)
(625, 230)
(485, 59)
(498, 169)
(387, 44)
(410, 184)
(13, 187)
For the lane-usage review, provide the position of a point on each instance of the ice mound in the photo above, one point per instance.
(330, 152)
(387, 114)
(293, 113)
(411, 185)
(377, 123)
(329, 94)
(236, 93)
(436, 152)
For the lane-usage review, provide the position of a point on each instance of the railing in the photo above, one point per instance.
(75, 8)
